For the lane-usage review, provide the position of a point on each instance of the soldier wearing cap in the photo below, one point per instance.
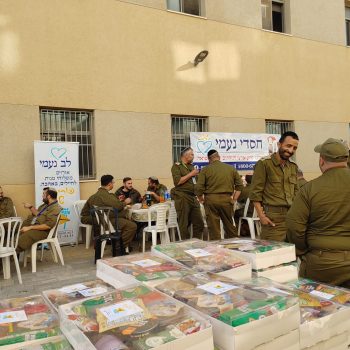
(274, 186)
(319, 220)
(186, 204)
(156, 189)
(218, 187)
(40, 221)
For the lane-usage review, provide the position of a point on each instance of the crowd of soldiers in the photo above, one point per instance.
(314, 215)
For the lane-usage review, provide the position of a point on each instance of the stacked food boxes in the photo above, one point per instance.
(322, 321)
(270, 259)
(205, 257)
(26, 321)
(137, 318)
(325, 315)
(133, 269)
(243, 318)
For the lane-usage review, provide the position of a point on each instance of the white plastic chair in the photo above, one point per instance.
(51, 239)
(78, 206)
(172, 222)
(253, 221)
(8, 244)
(160, 226)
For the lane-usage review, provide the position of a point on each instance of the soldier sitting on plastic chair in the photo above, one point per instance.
(39, 223)
(103, 198)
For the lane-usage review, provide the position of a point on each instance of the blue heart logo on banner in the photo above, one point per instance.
(58, 152)
(204, 146)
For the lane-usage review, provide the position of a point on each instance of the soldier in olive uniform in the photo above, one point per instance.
(6, 206)
(186, 204)
(102, 198)
(318, 222)
(274, 187)
(301, 180)
(39, 223)
(218, 187)
(157, 190)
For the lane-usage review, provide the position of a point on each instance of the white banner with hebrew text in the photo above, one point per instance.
(57, 166)
(238, 149)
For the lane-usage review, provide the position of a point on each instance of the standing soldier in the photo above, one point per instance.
(319, 220)
(274, 187)
(186, 204)
(218, 186)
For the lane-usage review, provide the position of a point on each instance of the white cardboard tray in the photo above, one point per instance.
(339, 342)
(239, 273)
(280, 274)
(289, 341)
(263, 260)
(201, 340)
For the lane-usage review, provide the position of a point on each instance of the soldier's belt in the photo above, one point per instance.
(273, 209)
(344, 254)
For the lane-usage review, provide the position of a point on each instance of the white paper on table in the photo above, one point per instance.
(122, 312)
(73, 288)
(197, 253)
(93, 291)
(13, 316)
(217, 287)
(146, 263)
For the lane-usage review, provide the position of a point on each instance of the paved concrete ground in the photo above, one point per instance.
(79, 267)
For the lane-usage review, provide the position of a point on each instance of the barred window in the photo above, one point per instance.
(278, 126)
(181, 126)
(72, 126)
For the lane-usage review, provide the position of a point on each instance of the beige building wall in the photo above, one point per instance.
(240, 12)
(320, 20)
(157, 4)
(312, 134)
(118, 56)
(133, 144)
(227, 124)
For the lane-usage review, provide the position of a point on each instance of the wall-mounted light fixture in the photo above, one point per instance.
(201, 57)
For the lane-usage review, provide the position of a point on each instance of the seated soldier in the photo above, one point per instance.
(6, 206)
(102, 198)
(128, 191)
(39, 223)
(157, 190)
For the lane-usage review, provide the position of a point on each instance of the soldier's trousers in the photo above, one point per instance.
(332, 267)
(277, 232)
(219, 206)
(27, 239)
(188, 212)
(128, 229)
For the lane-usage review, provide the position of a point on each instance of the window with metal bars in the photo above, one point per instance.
(191, 7)
(73, 126)
(181, 126)
(278, 126)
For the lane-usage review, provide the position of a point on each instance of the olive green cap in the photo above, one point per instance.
(333, 150)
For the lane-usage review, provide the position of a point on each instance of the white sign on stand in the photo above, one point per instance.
(57, 166)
